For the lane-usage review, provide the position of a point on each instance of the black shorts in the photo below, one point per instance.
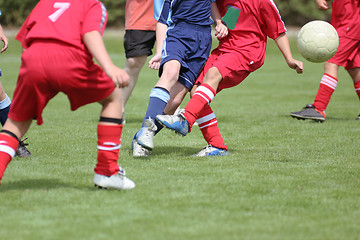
(139, 43)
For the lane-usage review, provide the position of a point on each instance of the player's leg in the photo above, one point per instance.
(138, 45)
(177, 94)
(4, 105)
(203, 95)
(355, 76)
(109, 129)
(159, 97)
(328, 84)
(209, 128)
(9, 140)
(347, 56)
(132, 67)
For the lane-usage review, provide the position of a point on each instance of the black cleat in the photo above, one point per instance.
(22, 151)
(310, 112)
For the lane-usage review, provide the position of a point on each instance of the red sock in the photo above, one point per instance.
(209, 128)
(8, 146)
(357, 88)
(109, 143)
(203, 95)
(327, 87)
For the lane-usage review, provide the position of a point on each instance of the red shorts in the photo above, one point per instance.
(348, 53)
(49, 68)
(230, 66)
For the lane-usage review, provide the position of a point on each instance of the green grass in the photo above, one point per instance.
(283, 179)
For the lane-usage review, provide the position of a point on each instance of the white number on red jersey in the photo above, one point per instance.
(62, 6)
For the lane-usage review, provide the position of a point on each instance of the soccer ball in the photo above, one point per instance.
(317, 41)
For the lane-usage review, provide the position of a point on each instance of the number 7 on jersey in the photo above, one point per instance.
(62, 6)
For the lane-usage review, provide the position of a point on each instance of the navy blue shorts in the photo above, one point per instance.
(190, 45)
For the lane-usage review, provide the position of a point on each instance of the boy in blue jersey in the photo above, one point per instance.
(183, 35)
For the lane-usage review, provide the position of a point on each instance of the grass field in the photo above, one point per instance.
(283, 178)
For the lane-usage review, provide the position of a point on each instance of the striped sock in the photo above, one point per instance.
(8, 146)
(357, 88)
(159, 97)
(327, 87)
(209, 127)
(203, 95)
(109, 143)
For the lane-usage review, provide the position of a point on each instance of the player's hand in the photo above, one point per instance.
(297, 65)
(119, 76)
(221, 31)
(322, 4)
(154, 62)
(5, 40)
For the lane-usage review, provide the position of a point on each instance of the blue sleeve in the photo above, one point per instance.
(158, 5)
(162, 13)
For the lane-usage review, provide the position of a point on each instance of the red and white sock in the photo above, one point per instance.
(109, 143)
(209, 127)
(357, 88)
(8, 146)
(328, 85)
(203, 95)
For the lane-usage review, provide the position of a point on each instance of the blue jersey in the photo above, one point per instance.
(196, 12)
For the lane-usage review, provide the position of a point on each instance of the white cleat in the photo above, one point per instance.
(145, 136)
(138, 150)
(117, 181)
(211, 151)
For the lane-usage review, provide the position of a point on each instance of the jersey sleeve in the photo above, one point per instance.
(164, 13)
(273, 26)
(95, 18)
(25, 28)
(158, 4)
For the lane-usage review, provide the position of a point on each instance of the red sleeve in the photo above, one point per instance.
(25, 28)
(95, 18)
(273, 26)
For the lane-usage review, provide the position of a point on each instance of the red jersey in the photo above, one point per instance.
(345, 18)
(258, 19)
(139, 15)
(64, 21)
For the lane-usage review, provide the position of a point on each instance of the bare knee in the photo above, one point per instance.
(135, 62)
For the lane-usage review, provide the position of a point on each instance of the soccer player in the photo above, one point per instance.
(345, 18)
(60, 39)
(183, 40)
(5, 102)
(238, 54)
(139, 39)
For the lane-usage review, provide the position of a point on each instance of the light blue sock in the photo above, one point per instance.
(159, 97)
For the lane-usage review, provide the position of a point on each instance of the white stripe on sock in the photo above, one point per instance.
(206, 118)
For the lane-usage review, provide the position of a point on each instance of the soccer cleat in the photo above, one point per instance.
(117, 181)
(22, 151)
(358, 118)
(310, 112)
(145, 136)
(211, 151)
(177, 123)
(138, 150)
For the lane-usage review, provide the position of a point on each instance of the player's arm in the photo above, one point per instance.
(322, 4)
(161, 14)
(96, 46)
(282, 42)
(4, 39)
(155, 61)
(220, 28)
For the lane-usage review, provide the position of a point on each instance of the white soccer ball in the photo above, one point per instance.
(317, 41)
